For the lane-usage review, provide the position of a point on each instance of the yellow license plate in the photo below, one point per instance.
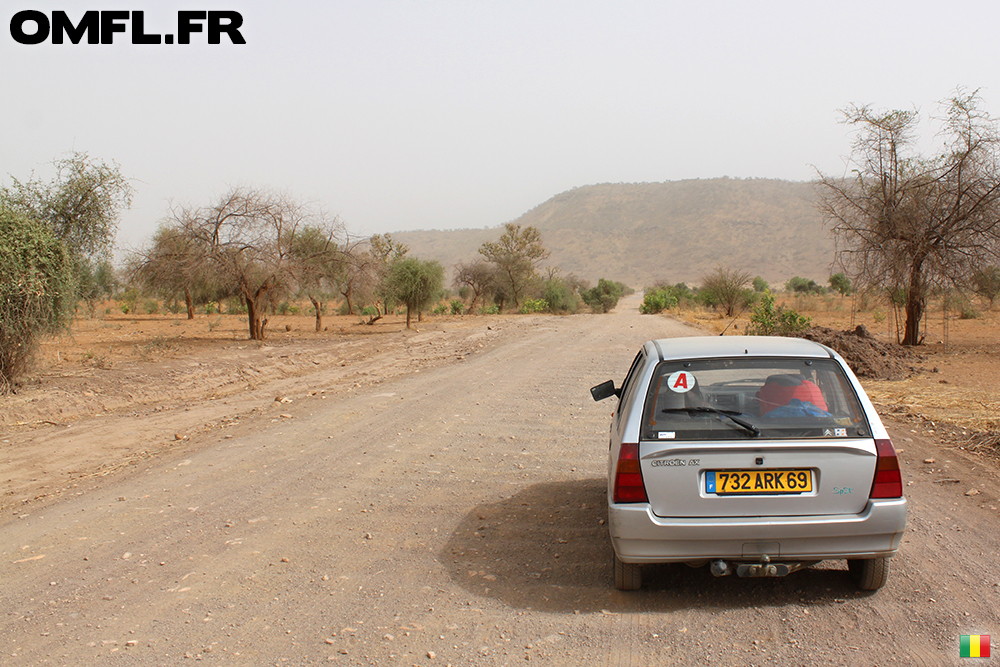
(758, 481)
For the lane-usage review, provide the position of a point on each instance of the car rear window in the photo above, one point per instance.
(737, 398)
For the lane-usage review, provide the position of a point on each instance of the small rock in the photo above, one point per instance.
(972, 492)
(431, 654)
(928, 460)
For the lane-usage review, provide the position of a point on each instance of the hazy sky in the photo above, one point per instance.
(437, 115)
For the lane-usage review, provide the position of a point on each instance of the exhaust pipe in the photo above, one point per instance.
(720, 568)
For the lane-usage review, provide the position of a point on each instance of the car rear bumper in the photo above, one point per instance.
(639, 536)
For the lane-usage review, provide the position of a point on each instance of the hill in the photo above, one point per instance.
(640, 233)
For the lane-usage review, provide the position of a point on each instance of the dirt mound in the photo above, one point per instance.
(868, 356)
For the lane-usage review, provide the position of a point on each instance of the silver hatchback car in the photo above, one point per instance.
(755, 455)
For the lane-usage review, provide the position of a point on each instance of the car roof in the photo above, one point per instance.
(701, 347)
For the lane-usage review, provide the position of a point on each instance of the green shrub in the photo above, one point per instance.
(803, 286)
(534, 306)
(457, 307)
(490, 310)
(604, 297)
(559, 294)
(967, 312)
(289, 308)
(35, 292)
(770, 320)
(211, 308)
(236, 305)
(151, 306)
(657, 300)
(440, 309)
(130, 299)
(839, 282)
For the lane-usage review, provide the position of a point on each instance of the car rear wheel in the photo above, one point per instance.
(628, 576)
(869, 574)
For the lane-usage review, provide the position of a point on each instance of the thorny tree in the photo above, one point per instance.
(384, 252)
(320, 265)
(909, 222)
(414, 283)
(177, 263)
(727, 289)
(81, 207)
(480, 277)
(516, 255)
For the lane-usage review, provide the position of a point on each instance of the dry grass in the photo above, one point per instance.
(969, 409)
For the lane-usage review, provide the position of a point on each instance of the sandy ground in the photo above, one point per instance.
(433, 497)
(120, 390)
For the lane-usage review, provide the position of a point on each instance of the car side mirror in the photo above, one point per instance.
(605, 390)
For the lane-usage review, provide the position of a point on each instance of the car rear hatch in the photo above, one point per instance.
(754, 436)
(754, 478)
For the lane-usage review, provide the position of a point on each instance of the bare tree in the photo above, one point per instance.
(247, 236)
(359, 280)
(479, 276)
(909, 222)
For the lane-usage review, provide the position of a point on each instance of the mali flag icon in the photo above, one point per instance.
(974, 646)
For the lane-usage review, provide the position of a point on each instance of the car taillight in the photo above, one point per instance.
(628, 477)
(888, 480)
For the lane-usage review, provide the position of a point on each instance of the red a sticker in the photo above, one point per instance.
(681, 382)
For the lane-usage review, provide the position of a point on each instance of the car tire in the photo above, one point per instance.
(628, 576)
(869, 574)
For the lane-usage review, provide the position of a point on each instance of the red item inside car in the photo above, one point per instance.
(780, 389)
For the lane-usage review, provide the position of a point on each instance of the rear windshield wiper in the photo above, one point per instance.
(731, 415)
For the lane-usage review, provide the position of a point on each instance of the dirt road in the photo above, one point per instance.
(454, 516)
